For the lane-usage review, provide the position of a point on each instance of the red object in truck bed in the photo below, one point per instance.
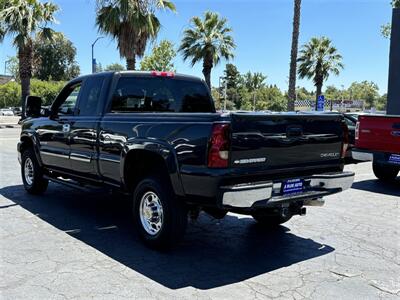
(378, 133)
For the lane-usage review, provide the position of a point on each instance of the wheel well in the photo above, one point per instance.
(142, 163)
(25, 144)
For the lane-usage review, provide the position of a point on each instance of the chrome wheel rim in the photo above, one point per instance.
(28, 171)
(151, 213)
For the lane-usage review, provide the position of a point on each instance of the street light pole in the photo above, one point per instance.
(225, 92)
(93, 61)
(5, 66)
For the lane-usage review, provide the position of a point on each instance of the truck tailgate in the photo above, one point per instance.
(286, 140)
(379, 133)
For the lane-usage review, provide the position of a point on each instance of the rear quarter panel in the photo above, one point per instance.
(183, 136)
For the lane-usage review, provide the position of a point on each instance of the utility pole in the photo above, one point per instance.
(93, 59)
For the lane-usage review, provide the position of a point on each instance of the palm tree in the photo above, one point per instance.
(23, 20)
(318, 58)
(132, 23)
(293, 55)
(255, 81)
(208, 40)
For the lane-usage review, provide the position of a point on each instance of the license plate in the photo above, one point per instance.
(394, 159)
(292, 186)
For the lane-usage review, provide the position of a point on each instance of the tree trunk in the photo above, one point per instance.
(25, 56)
(207, 66)
(131, 63)
(293, 55)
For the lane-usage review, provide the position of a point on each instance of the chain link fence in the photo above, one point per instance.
(331, 105)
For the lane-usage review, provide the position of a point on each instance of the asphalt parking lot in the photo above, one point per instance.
(68, 244)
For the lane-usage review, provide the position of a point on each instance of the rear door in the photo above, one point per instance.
(286, 141)
(83, 134)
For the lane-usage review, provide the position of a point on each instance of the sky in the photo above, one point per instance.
(262, 31)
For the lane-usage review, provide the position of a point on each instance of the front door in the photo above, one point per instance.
(54, 131)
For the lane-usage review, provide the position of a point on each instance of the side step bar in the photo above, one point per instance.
(66, 182)
(85, 188)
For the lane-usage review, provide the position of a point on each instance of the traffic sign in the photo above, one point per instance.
(320, 103)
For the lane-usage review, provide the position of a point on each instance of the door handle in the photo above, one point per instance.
(66, 127)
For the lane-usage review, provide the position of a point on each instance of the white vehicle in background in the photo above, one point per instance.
(6, 112)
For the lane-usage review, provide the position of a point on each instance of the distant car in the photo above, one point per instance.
(6, 112)
(351, 121)
(17, 111)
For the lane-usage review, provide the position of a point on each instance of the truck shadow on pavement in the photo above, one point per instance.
(214, 252)
(379, 187)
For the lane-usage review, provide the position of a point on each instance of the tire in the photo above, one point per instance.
(34, 183)
(384, 172)
(270, 221)
(160, 218)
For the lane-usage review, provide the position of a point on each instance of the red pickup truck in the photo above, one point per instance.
(378, 139)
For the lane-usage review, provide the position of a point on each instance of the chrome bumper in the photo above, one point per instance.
(362, 156)
(247, 195)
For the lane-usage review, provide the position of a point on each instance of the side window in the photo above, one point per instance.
(89, 101)
(68, 106)
(135, 94)
(194, 97)
(152, 94)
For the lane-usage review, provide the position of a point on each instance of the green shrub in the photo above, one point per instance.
(10, 93)
(47, 90)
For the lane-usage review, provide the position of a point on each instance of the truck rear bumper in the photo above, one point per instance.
(268, 194)
(362, 155)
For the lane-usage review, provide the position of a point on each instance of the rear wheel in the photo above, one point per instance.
(32, 173)
(160, 218)
(270, 220)
(385, 172)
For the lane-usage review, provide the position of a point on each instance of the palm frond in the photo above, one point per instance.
(132, 23)
(318, 59)
(207, 37)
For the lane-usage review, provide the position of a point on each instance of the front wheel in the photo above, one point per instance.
(32, 174)
(384, 172)
(160, 218)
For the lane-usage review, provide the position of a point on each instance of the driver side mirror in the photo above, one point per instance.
(33, 106)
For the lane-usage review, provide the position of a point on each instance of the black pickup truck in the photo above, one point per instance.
(157, 137)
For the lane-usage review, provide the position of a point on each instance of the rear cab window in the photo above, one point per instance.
(160, 94)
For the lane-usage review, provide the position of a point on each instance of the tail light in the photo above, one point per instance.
(357, 134)
(218, 148)
(346, 139)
